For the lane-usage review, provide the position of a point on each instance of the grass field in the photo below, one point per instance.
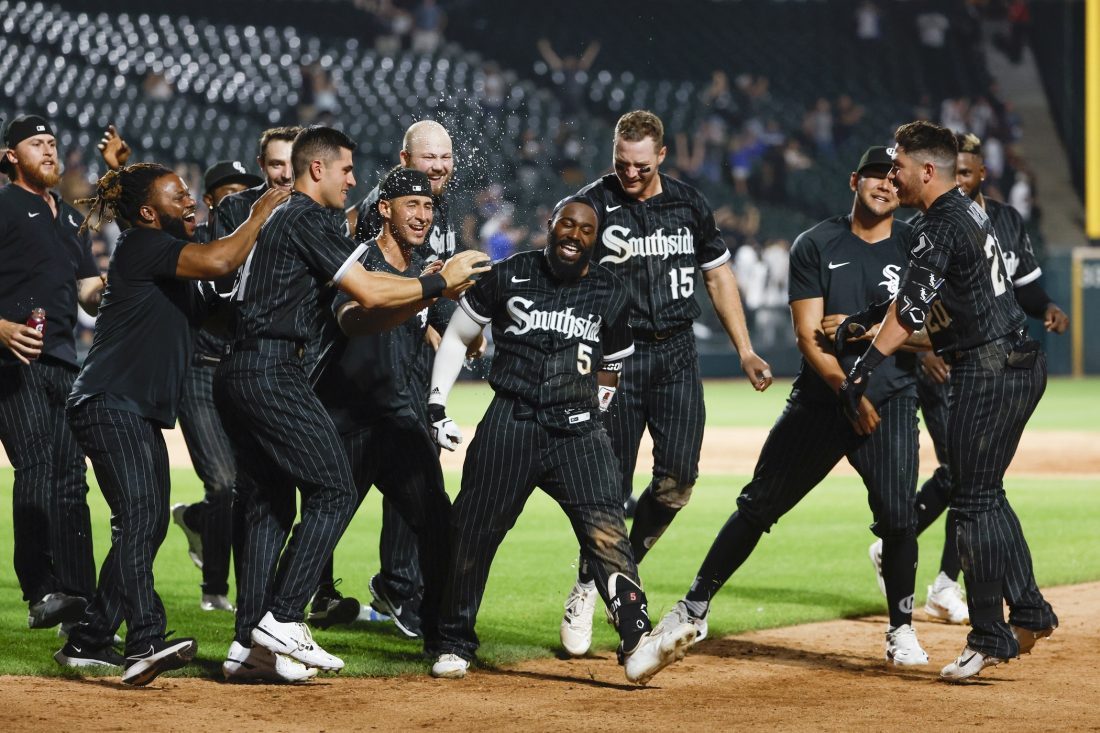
(813, 566)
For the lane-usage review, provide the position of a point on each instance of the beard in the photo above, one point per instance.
(174, 226)
(562, 270)
(38, 178)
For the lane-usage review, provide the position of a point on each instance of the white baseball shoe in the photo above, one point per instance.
(666, 643)
(294, 640)
(875, 553)
(946, 601)
(450, 667)
(213, 602)
(260, 664)
(576, 624)
(902, 647)
(683, 615)
(1027, 637)
(968, 664)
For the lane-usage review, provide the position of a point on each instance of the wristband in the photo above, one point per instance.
(872, 358)
(432, 286)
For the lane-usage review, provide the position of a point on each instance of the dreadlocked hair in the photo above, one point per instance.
(119, 194)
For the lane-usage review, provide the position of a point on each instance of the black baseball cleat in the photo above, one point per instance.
(403, 614)
(629, 507)
(80, 655)
(55, 608)
(329, 607)
(159, 656)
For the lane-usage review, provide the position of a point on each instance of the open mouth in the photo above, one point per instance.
(881, 199)
(569, 250)
(189, 217)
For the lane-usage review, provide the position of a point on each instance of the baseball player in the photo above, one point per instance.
(945, 596)
(366, 381)
(128, 391)
(838, 267)
(561, 328)
(658, 234)
(957, 289)
(48, 264)
(281, 434)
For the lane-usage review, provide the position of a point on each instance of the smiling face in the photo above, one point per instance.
(35, 160)
(336, 177)
(874, 191)
(571, 238)
(969, 174)
(170, 207)
(275, 163)
(430, 151)
(409, 219)
(636, 165)
(908, 176)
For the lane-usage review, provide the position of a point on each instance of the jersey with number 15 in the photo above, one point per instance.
(976, 304)
(658, 247)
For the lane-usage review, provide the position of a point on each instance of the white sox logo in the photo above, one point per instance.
(526, 319)
(892, 273)
(622, 246)
(905, 605)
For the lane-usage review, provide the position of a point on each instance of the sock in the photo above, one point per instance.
(697, 609)
(651, 519)
(584, 571)
(733, 545)
(899, 565)
(628, 608)
(932, 499)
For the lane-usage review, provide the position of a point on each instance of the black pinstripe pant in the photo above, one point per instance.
(507, 459)
(935, 493)
(282, 438)
(804, 445)
(660, 389)
(990, 405)
(399, 457)
(130, 460)
(212, 458)
(51, 523)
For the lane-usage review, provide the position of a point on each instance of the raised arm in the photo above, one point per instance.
(223, 256)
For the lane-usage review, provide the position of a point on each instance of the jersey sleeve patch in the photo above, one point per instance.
(465, 305)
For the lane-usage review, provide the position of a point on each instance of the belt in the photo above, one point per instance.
(274, 346)
(652, 337)
(994, 347)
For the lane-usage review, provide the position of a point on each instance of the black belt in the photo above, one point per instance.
(996, 346)
(275, 346)
(652, 337)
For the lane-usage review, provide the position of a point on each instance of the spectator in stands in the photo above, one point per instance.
(868, 23)
(396, 25)
(718, 98)
(569, 72)
(156, 87)
(848, 116)
(817, 125)
(428, 22)
(932, 27)
(74, 181)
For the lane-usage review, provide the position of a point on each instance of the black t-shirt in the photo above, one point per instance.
(658, 247)
(142, 342)
(41, 259)
(366, 378)
(828, 261)
(300, 250)
(976, 303)
(551, 337)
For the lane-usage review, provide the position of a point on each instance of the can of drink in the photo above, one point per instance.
(37, 320)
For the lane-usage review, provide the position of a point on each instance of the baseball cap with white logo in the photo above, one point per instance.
(228, 171)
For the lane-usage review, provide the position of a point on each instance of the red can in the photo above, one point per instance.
(37, 320)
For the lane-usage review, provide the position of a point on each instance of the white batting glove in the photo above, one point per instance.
(443, 429)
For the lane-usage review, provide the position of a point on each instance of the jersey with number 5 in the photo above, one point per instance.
(976, 304)
(551, 337)
(658, 247)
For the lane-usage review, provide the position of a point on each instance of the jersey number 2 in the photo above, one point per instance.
(683, 282)
(996, 262)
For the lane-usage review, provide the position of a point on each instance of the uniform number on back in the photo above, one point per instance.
(996, 264)
(584, 358)
(683, 282)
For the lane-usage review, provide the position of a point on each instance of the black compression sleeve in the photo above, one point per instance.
(1033, 299)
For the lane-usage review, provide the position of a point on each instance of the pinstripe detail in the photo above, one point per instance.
(506, 460)
(51, 523)
(212, 457)
(283, 438)
(130, 460)
(351, 260)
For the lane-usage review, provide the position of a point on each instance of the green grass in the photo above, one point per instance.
(812, 566)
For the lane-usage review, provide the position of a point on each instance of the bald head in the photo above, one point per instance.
(427, 148)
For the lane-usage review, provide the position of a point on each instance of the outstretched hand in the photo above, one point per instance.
(113, 148)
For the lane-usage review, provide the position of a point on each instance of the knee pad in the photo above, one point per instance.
(670, 492)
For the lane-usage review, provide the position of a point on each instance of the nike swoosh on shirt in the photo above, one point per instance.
(29, 214)
(839, 264)
(520, 279)
(612, 208)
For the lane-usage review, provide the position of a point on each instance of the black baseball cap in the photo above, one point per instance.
(876, 157)
(404, 182)
(24, 126)
(228, 171)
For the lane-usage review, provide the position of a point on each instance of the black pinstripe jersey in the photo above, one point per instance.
(1020, 262)
(829, 262)
(365, 378)
(299, 251)
(658, 247)
(976, 305)
(551, 337)
(441, 240)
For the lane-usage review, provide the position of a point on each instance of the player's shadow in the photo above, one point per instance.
(587, 680)
(847, 605)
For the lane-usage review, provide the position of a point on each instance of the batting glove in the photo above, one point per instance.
(852, 389)
(443, 429)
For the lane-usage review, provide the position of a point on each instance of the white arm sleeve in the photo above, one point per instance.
(461, 332)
